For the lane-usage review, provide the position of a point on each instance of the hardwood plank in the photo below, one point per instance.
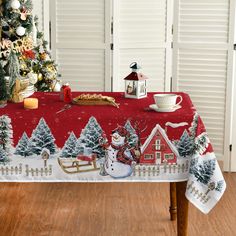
(74, 209)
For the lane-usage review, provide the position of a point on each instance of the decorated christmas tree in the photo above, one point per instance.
(89, 138)
(3, 88)
(69, 149)
(3, 156)
(22, 146)
(185, 145)
(20, 35)
(133, 137)
(6, 134)
(41, 138)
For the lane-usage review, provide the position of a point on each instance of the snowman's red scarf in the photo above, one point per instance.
(121, 157)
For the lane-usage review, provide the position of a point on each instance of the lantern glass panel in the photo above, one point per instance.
(131, 87)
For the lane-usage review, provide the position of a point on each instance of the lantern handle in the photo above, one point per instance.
(135, 66)
(132, 64)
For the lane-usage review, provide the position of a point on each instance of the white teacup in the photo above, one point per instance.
(167, 100)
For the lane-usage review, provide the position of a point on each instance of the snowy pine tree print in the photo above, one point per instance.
(80, 144)
(193, 127)
(6, 133)
(201, 143)
(89, 138)
(133, 138)
(3, 156)
(220, 185)
(69, 149)
(193, 162)
(22, 146)
(185, 145)
(202, 171)
(41, 138)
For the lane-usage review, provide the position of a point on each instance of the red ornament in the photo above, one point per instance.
(29, 54)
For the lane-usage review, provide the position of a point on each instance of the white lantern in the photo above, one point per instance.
(20, 30)
(15, 4)
(135, 83)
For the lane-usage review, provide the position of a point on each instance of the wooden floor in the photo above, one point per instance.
(105, 209)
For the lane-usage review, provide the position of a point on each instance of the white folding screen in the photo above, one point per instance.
(82, 38)
(81, 42)
(230, 162)
(143, 33)
(202, 63)
(231, 166)
(38, 10)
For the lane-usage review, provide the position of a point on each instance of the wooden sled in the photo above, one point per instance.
(75, 166)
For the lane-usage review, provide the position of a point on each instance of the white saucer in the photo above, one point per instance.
(166, 109)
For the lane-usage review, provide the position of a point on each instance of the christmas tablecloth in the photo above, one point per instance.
(109, 144)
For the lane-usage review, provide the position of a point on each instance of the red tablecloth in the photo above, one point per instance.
(174, 146)
(108, 117)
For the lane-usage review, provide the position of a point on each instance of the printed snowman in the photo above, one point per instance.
(119, 156)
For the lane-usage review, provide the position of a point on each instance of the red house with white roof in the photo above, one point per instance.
(158, 149)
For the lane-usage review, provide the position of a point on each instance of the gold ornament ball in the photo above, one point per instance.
(12, 31)
(23, 66)
(40, 77)
(23, 73)
(51, 68)
(43, 56)
(22, 57)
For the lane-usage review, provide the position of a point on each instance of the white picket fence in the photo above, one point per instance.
(155, 170)
(203, 197)
(11, 170)
(46, 171)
